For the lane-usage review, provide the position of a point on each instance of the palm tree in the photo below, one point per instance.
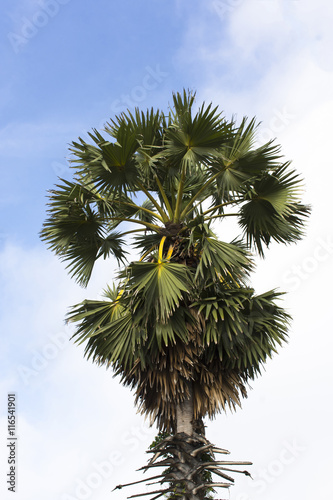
(182, 326)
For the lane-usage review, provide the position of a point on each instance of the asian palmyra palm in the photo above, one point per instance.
(182, 326)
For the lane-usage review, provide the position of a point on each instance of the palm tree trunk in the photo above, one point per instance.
(185, 425)
(184, 414)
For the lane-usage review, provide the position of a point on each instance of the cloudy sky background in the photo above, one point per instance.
(68, 66)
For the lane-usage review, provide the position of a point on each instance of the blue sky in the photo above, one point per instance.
(68, 66)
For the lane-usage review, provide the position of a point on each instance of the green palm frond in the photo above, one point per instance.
(108, 329)
(162, 285)
(147, 242)
(267, 326)
(241, 162)
(118, 328)
(244, 330)
(110, 165)
(113, 244)
(265, 158)
(116, 343)
(148, 130)
(194, 139)
(272, 210)
(147, 126)
(240, 142)
(166, 333)
(76, 230)
(218, 258)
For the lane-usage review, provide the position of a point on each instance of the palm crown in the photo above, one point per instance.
(182, 320)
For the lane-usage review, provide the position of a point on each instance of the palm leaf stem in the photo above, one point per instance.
(180, 190)
(165, 199)
(153, 227)
(143, 209)
(220, 215)
(133, 231)
(154, 202)
(189, 206)
(160, 250)
(173, 198)
(217, 206)
(233, 279)
(148, 252)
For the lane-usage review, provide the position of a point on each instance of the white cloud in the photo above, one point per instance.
(261, 54)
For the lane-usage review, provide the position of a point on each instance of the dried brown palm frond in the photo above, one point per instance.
(163, 384)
